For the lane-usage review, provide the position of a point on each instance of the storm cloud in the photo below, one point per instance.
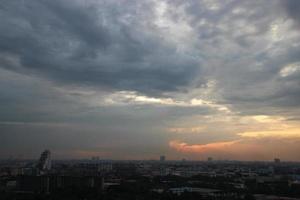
(107, 44)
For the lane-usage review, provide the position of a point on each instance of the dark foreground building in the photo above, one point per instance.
(52, 183)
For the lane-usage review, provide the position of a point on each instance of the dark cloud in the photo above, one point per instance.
(292, 9)
(89, 44)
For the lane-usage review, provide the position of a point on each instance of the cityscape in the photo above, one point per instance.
(148, 179)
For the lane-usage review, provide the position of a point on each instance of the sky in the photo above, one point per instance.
(136, 79)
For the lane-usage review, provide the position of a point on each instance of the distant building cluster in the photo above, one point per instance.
(154, 179)
(162, 158)
(277, 160)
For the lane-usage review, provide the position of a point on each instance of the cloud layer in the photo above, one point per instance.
(139, 75)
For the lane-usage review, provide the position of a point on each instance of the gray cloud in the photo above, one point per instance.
(61, 61)
(89, 44)
(292, 8)
(246, 45)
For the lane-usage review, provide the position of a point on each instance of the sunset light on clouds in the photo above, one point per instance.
(135, 79)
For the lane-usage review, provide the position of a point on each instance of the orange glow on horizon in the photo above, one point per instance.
(198, 148)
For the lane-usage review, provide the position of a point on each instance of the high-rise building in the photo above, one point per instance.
(276, 160)
(95, 158)
(162, 158)
(209, 159)
(44, 163)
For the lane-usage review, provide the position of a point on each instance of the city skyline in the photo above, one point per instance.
(132, 79)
